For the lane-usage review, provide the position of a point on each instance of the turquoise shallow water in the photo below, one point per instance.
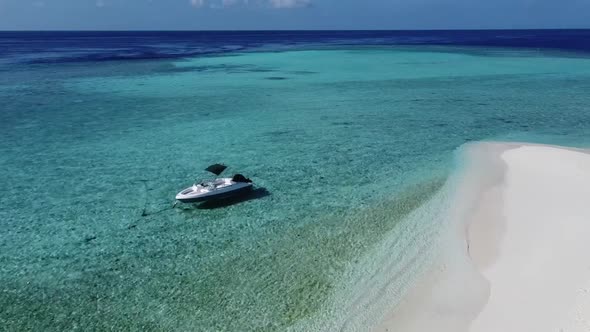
(344, 143)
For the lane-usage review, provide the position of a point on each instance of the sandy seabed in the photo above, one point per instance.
(517, 256)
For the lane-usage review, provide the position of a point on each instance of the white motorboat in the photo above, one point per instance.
(215, 189)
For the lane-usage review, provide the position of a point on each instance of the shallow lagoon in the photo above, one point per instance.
(346, 143)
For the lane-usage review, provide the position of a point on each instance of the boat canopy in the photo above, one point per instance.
(216, 169)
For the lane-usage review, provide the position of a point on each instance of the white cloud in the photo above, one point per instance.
(197, 3)
(289, 3)
(229, 3)
(277, 4)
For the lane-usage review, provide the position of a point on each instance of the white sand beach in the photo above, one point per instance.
(519, 253)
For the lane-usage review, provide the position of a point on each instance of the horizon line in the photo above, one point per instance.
(302, 30)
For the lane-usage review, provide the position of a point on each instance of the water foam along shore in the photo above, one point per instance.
(517, 255)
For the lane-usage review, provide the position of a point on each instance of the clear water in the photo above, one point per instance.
(345, 145)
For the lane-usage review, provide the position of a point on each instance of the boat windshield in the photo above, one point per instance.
(212, 183)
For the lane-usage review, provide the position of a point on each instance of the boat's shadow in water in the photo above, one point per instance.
(225, 202)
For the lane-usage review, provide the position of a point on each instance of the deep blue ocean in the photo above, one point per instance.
(349, 136)
(87, 46)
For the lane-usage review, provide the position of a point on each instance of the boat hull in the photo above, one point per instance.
(216, 195)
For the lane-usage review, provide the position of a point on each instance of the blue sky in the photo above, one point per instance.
(290, 14)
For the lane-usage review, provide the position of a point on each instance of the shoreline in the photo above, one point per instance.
(513, 254)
